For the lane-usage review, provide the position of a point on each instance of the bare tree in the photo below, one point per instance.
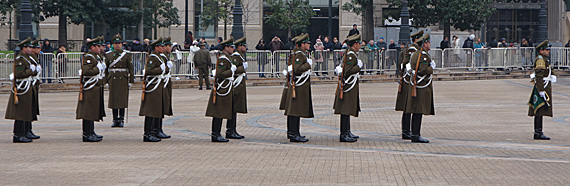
(250, 8)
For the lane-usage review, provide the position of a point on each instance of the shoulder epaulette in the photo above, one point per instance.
(540, 63)
(423, 52)
(236, 54)
(108, 52)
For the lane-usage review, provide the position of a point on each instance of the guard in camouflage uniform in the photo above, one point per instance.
(347, 98)
(167, 94)
(540, 103)
(152, 105)
(220, 104)
(91, 106)
(120, 77)
(404, 86)
(21, 99)
(240, 96)
(420, 94)
(299, 102)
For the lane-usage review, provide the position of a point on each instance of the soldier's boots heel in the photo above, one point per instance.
(352, 135)
(91, 138)
(217, 137)
(406, 134)
(97, 135)
(419, 139)
(289, 136)
(160, 134)
(232, 134)
(347, 138)
(116, 123)
(31, 135)
(21, 138)
(150, 137)
(540, 136)
(298, 138)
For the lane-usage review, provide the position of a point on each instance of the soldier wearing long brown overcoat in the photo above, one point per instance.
(420, 96)
(347, 96)
(120, 77)
(167, 94)
(152, 100)
(90, 107)
(220, 104)
(240, 94)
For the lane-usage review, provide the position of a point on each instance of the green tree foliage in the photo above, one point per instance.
(461, 14)
(6, 7)
(214, 12)
(292, 15)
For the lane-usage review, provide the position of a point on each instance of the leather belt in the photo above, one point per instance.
(118, 70)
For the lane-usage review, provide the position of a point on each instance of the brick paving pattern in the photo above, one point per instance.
(480, 135)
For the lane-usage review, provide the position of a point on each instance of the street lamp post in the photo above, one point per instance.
(542, 22)
(404, 23)
(237, 28)
(25, 22)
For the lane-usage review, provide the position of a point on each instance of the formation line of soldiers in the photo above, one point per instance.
(229, 97)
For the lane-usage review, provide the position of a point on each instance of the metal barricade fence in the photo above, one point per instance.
(139, 61)
(68, 65)
(390, 59)
(458, 58)
(437, 56)
(559, 57)
(49, 66)
(371, 61)
(258, 62)
(323, 62)
(496, 57)
(527, 55)
(7, 67)
(279, 61)
(183, 63)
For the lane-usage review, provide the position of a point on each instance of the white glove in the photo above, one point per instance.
(290, 68)
(144, 70)
(409, 67)
(214, 72)
(245, 65)
(310, 61)
(432, 64)
(38, 68)
(401, 66)
(100, 66)
(338, 70)
(79, 71)
(553, 78)
(360, 63)
(11, 76)
(285, 72)
(532, 75)
(542, 94)
(130, 85)
(233, 68)
(162, 66)
(170, 64)
(104, 66)
(33, 67)
(107, 85)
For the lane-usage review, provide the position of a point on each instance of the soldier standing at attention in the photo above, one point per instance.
(220, 104)
(203, 63)
(347, 98)
(21, 99)
(35, 87)
(120, 76)
(240, 96)
(403, 89)
(90, 106)
(299, 101)
(540, 103)
(167, 94)
(152, 100)
(420, 97)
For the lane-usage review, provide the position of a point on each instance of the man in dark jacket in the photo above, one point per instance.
(137, 47)
(445, 43)
(381, 44)
(353, 31)
(469, 42)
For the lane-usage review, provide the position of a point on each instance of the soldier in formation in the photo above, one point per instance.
(120, 76)
(240, 94)
(347, 97)
(90, 107)
(167, 78)
(404, 85)
(419, 101)
(220, 104)
(540, 103)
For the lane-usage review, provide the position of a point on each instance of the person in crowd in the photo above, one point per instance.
(444, 43)
(478, 48)
(84, 48)
(137, 46)
(46, 61)
(188, 41)
(276, 44)
(262, 59)
(62, 63)
(217, 47)
(469, 41)
(381, 44)
(318, 55)
(392, 45)
(353, 31)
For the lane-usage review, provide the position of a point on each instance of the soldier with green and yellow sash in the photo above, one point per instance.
(540, 103)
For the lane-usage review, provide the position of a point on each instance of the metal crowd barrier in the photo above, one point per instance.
(49, 70)
(437, 56)
(457, 58)
(560, 58)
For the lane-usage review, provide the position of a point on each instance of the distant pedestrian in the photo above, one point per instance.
(46, 61)
(353, 31)
(445, 43)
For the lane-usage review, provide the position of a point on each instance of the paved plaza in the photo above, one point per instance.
(480, 135)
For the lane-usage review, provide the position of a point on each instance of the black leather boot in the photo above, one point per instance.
(149, 135)
(93, 130)
(158, 129)
(416, 127)
(295, 126)
(116, 122)
(350, 132)
(290, 127)
(121, 117)
(406, 120)
(216, 128)
(344, 126)
(88, 132)
(231, 131)
(19, 130)
(538, 135)
(28, 131)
